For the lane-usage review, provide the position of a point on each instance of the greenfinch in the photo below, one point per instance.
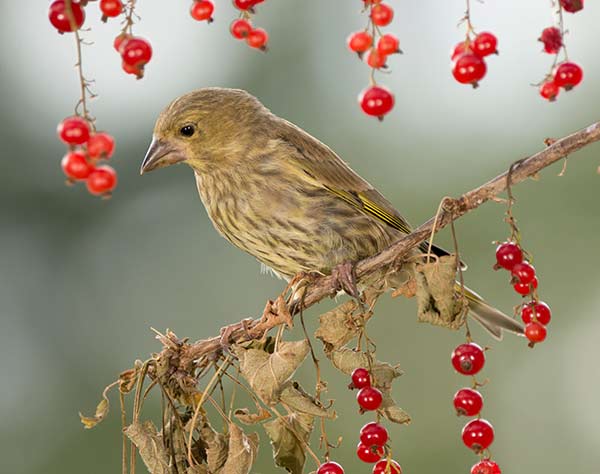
(278, 193)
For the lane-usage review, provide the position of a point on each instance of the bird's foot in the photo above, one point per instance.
(228, 331)
(345, 279)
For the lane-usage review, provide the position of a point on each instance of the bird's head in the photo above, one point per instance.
(205, 128)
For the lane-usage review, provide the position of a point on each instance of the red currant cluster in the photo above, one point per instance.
(135, 53)
(477, 434)
(469, 65)
(86, 149)
(535, 314)
(565, 74)
(241, 28)
(373, 436)
(375, 48)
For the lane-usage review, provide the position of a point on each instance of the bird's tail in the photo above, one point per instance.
(492, 319)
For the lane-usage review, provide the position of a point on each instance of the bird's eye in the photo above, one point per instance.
(187, 130)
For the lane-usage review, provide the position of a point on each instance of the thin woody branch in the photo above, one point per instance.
(325, 286)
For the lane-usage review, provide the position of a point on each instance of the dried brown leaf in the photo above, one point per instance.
(346, 360)
(101, 411)
(297, 400)
(216, 447)
(150, 445)
(244, 415)
(437, 299)
(289, 436)
(337, 327)
(242, 451)
(267, 373)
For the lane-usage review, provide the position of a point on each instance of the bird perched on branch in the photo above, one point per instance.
(280, 194)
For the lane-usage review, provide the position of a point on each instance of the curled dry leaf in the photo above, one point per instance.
(267, 373)
(150, 445)
(437, 298)
(242, 451)
(346, 360)
(297, 400)
(338, 326)
(289, 436)
(216, 447)
(244, 415)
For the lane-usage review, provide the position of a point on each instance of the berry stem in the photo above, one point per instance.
(83, 82)
(129, 17)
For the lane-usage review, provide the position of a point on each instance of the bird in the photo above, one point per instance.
(281, 195)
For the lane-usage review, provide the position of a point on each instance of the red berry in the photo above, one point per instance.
(535, 332)
(111, 8)
(469, 69)
(468, 359)
(360, 41)
(468, 402)
(360, 378)
(369, 454)
(101, 145)
(135, 70)
(542, 313)
(383, 467)
(525, 289)
(486, 467)
(508, 255)
(375, 59)
(552, 39)
(524, 272)
(136, 51)
(369, 398)
(120, 41)
(568, 75)
(102, 180)
(376, 101)
(76, 166)
(460, 49)
(330, 467)
(478, 434)
(549, 90)
(244, 4)
(257, 38)
(240, 28)
(373, 434)
(572, 6)
(484, 44)
(57, 14)
(202, 10)
(369, 2)
(73, 130)
(388, 44)
(382, 14)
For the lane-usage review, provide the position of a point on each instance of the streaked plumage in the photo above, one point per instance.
(275, 191)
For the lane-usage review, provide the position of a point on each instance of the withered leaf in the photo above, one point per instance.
(242, 451)
(391, 411)
(289, 436)
(337, 327)
(101, 412)
(266, 373)
(346, 360)
(216, 447)
(244, 415)
(437, 299)
(150, 445)
(297, 400)
(197, 469)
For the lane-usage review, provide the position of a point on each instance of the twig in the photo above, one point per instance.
(325, 286)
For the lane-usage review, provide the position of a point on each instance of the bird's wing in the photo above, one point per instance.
(325, 168)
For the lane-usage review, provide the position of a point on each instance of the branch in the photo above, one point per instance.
(326, 286)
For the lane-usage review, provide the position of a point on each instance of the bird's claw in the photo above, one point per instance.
(345, 279)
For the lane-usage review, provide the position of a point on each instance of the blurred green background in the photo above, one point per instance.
(82, 279)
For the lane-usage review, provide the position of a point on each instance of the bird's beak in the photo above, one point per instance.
(159, 155)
